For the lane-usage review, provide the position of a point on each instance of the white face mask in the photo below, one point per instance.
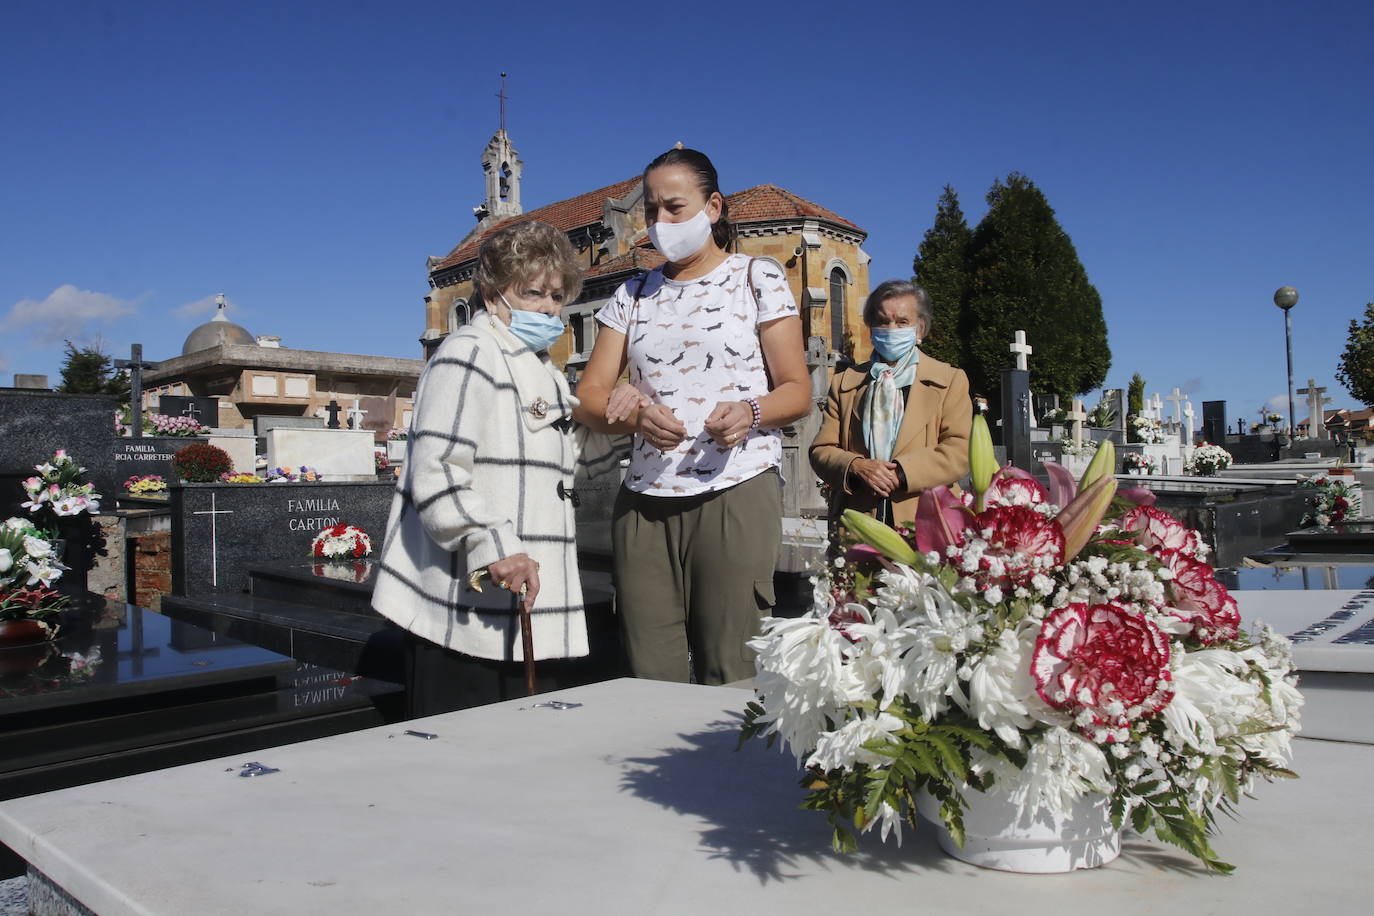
(676, 241)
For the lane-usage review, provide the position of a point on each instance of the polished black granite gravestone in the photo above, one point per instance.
(123, 690)
(1352, 537)
(1235, 519)
(321, 613)
(203, 410)
(147, 455)
(35, 424)
(220, 530)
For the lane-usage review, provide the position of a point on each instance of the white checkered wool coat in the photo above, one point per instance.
(491, 440)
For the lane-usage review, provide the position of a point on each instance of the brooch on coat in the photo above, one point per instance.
(539, 408)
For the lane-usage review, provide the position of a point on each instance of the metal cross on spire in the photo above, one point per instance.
(502, 96)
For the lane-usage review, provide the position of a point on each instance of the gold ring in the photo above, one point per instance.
(502, 584)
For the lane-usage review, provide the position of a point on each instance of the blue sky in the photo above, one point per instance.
(304, 158)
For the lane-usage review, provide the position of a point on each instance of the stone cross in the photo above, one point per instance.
(333, 408)
(1076, 416)
(1177, 398)
(1021, 349)
(1316, 416)
(355, 416)
(1188, 415)
(1156, 407)
(135, 365)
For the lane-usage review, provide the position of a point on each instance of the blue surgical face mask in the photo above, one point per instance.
(536, 330)
(893, 343)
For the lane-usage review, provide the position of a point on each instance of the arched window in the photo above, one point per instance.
(837, 305)
(458, 314)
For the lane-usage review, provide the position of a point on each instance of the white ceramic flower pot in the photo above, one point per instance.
(396, 450)
(1042, 843)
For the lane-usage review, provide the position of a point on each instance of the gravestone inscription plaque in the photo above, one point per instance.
(219, 530)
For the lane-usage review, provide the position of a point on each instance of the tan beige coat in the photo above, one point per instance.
(932, 444)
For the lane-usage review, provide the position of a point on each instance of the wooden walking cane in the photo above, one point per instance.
(526, 640)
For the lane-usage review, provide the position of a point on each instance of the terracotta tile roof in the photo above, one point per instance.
(641, 257)
(570, 214)
(755, 205)
(768, 202)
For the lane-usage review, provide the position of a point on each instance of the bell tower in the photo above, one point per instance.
(502, 167)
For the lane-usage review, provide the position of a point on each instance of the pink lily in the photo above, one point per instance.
(940, 520)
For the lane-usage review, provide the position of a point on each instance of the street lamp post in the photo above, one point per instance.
(1285, 297)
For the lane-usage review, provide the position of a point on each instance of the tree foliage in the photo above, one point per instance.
(1026, 275)
(1356, 369)
(89, 371)
(940, 268)
(1017, 270)
(1135, 395)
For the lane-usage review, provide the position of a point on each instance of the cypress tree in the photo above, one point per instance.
(1026, 274)
(89, 371)
(940, 268)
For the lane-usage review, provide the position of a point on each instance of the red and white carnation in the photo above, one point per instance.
(1015, 544)
(1157, 528)
(1106, 663)
(1199, 598)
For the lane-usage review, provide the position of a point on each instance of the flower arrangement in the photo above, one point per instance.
(240, 478)
(1273, 419)
(201, 462)
(158, 424)
(57, 489)
(301, 474)
(1046, 645)
(146, 485)
(1139, 463)
(1208, 460)
(28, 567)
(380, 462)
(398, 435)
(1331, 500)
(1144, 429)
(1080, 449)
(1102, 416)
(341, 542)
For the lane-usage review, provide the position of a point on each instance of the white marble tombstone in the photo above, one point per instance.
(335, 453)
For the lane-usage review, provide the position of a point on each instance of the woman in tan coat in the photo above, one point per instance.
(898, 424)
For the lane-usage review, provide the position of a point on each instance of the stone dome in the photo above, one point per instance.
(217, 332)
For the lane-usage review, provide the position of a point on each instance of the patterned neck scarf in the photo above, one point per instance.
(883, 406)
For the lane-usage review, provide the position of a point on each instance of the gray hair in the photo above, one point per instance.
(891, 289)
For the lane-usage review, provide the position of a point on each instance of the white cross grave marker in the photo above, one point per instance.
(1076, 416)
(214, 537)
(1316, 416)
(1188, 415)
(1021, 349)
(355, 416)
(1178, 398)
(1156, 408)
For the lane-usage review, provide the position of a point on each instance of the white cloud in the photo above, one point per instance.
(67, 314)
(1279, 404)
(204, 308)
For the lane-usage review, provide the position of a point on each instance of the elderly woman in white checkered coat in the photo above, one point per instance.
(487, 487)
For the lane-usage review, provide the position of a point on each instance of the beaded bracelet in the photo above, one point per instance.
(756, 411)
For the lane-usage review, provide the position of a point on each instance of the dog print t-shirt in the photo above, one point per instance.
(693, 344)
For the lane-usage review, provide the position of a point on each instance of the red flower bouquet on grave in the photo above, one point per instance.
(341, 542)
(1041, 648)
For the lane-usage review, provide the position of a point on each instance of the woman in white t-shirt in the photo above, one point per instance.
(697, 524)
